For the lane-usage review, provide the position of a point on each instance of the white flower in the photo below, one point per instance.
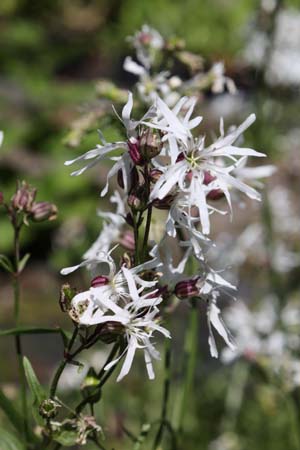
(147, 42)
(101, 152)
(196, 161)
(111, 229)
(138, 318)
(176, 124)
(1, 137)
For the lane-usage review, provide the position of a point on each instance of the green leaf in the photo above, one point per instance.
(8, 441)
(6, 264)
(23, 262)
(35, 330)
(36, 388)
(10, 411)
(66, 438)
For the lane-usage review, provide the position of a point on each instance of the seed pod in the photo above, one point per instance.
(150, 144)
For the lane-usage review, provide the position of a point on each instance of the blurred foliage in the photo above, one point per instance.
(53, 54)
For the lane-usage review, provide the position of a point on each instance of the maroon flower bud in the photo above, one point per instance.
(188, 288)
(41, 211)
(164, 203)
(150, 144)
(155, 175)
(99, 281)
(134, 202)
(208, 178)
(134, 151)
(24, 197)
(215, 194)
(180, 157)
(127, 240)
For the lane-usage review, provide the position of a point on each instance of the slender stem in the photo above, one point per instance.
(191, 358)
(166, 395)
(147, 231)
(62, 365)
(18, 343)
(103, 377)
(136, 237)
(149, 213)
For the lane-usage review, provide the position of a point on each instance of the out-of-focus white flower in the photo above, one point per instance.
(1, 137)
(269, 333)
(284, 59)
(146, 42)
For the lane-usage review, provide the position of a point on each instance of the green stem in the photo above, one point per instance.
(62, 365)
(191, 358)
(166, 395)
(103, 377)
(18, 343)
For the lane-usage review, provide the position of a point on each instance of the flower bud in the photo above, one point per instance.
(150, 144)
(49, 408)
(164, 203)
(155, 175)
(24, 197)
(127, 240)
(134, 151)
(41, 211)
(215, 194)
(110, 331)
(134, 202)
(188, 288)
(99, 281)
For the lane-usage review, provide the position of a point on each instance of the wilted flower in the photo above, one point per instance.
(24, 197)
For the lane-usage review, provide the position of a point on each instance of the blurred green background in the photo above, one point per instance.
(53, 54)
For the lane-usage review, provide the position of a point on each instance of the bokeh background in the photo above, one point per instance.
(54, 53)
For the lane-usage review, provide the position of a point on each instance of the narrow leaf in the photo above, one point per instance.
(34, 330)
(9, 441)
(6, 264)
(36, 388)
(23, 262)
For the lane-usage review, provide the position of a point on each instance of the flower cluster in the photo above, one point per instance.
(160, 165)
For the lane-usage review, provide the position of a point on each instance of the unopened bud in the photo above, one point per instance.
(41, 211)
(155, 175)
(110, 332)
(99, 281)
(150, 144)
(24, 197)
(215, 194)
(188, 288)
(164, 203)
(134, 151)
(49, 408)
(127, 240)
(134, 202)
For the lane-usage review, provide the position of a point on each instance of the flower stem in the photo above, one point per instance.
(191, 357)
(62, 365)
(166, 395)
(18, 343)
